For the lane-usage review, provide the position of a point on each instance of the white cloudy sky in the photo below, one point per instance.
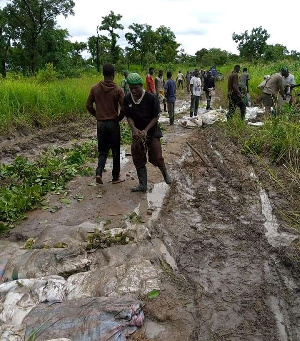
(196, 24)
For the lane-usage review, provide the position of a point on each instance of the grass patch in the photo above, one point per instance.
(24, 183)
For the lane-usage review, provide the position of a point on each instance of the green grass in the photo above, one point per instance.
(24, 183)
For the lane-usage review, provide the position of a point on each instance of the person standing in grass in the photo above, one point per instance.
(159, 87)
(150, 82)
(142, 112)
(244, 85)
(235, 97)
(170, 94)
(179, 80)
(273, 87)
(107, 97)
(195, 89)
(208, 87)
(124, 84)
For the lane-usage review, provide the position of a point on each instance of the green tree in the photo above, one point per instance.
(55, 48)
(6, 34)
(111, 23)
(251, 46)
(275, 52)
(30, 18)
(142, 40)
(105, 47)
(199, 55)
(166, 45)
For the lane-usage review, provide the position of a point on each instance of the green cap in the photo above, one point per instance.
(134, 79)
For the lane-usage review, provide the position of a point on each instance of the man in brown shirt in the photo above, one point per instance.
(108, 97)
(235, 97)
(274, 85)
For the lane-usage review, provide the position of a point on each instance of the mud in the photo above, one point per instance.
(211, 243)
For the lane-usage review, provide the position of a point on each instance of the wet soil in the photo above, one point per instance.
(228, 266)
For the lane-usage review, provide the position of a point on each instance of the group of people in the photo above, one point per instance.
(276, 90)
(142, 109)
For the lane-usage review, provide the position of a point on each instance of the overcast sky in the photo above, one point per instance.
(196, 24)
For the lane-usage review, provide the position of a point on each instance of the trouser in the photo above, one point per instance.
(208, 99)
(271, 101)
(194, 105)
(109, 137)
(171, 109)
(152, 147)
(234, 101)
(180, 83)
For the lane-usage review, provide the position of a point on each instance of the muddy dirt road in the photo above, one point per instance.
(210, 243)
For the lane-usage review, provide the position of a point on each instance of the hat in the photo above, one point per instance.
(134, 79)
(284, 69)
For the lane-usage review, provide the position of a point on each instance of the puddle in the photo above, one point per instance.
(155, 198)
(161, 247)
(274, 237)
(275, 307)
(123, 159)
(153, 329)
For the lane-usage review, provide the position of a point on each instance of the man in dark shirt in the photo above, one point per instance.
(208, 86)
(235, 97)
(170, 95)
(142, 112)
(107, 96)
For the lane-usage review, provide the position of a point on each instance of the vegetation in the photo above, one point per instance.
(24, 183)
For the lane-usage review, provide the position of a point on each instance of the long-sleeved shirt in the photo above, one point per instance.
(108, 98)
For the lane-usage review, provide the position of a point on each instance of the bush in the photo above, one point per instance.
(47, 75)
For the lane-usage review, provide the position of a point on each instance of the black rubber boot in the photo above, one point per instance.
(142, 175)
(165, 174)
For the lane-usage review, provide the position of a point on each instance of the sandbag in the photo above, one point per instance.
(89, 319)
(45, 262)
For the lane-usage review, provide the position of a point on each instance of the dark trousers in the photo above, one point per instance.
(171, 109)
(109, 137)
(208, 99)
(152, 147)
(194, 105)
(234, 101)
(180, 83)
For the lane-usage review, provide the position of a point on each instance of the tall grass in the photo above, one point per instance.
(27, 102)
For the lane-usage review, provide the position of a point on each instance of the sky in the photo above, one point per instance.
(196, 24)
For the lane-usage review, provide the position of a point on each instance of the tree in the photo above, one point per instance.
(142, 40)
(110, 24)
(275, 52)
(199, 55)
(166, 45)
(55, 48)
(105, 47)
(6, 34)
(252, 46)
(30, 18)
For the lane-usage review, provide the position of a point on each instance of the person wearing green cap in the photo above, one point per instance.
(142, 112)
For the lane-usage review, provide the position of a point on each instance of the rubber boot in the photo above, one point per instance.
(165, 174)
(142, 175)
(208, 105)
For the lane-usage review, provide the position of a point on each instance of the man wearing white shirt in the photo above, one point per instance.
(195, 89)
